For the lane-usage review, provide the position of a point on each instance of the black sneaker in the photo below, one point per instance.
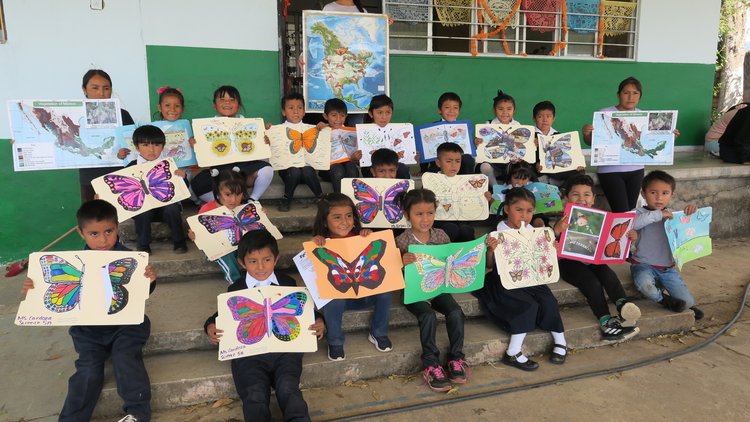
(146, 249)
(383, 344)
(457, 371)
(673, 304)
(698, 313)
(336, 353)
(285, 205)
(612, 330)
(436, 379)
(629, 313)
(180, 248)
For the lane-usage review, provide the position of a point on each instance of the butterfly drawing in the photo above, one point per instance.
(701, 216)
(247, 219)
(371, 201)
(505, 145)
(307, 139)
(119, 273)
(365, 271)
(64, 293)
(460, 197)
(612, 249)
(477, 183)
(557, 153)
(221, 139)
(132, 191)
(456, 271)
(261, 320)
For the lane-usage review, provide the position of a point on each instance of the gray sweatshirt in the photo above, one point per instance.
(652, 246)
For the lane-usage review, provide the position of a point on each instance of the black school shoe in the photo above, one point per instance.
(698, 313)
(180, 248)
(557, 358)
(673, 304)
(529, 365)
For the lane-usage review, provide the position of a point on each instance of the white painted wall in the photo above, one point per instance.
(678, 31)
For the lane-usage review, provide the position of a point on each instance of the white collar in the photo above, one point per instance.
(496, 121)
(252, 282)
(552, 131)
(141, 160)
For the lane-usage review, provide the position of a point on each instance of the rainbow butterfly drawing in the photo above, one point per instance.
(379, 197)
(235, 225)
(365, 271)
(131, 192)
(506, 145)
(64, 292)
(119, 273)
(258, 320)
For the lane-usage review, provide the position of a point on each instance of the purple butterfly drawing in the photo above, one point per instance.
(132, 191)
(372, 202)
(246, 219)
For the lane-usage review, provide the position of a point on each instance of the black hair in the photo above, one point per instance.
(148, 134)
(290, 97)
(417, 196)
(544, 105)
(255, 240)
(521, 170)
(449, 96)
(378, 101)
(449, 147)
(228, 90)
(384, 157)
(166, 92)
(328, 201)
(630, 80)
(518, 194)
(659, 175)
(502, 97)
(234, 180)
(96, 210)
(95, 72)
(335, 104)
(577, 180)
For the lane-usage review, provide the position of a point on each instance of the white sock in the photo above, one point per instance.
(262, 182)
(514, 346)
(487, 170)
(559, 338)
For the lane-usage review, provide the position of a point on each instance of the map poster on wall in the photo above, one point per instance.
(346, 57)
(177, 134)
(633, 137)
(61, 134)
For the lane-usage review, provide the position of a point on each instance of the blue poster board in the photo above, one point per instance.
(430, 136)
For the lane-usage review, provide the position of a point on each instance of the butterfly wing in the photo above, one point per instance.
(310, 139)
(391, 202)
(217, 223)
(365, 271)
(340, 272)
(284, 324)
(619, 230)
(158, 182)
(65, 279)
(120, 272)
(296, 138)
(612, 249)
(252, 326)
(369, 200)
(249, 219)
(244, 136)
(432, 269)
(462, 269)
(130, 191)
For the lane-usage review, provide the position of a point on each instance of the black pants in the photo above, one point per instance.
(94, 344)
(621, 189)
(86, 175)
(255, 375)
(402, 172)
(457, 231)
(294, 176)
(454, 322)
(170, 214)
(593, 280)
(339, 171)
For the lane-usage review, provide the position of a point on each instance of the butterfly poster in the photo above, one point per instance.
(343, 144)
(398, 137)
(85, 288)
(547, 197)
(226, 140)
(688, 235)
(270, 319)
(595, 236)
(177, 147)
(526, 257)
(459, 197)
(505, 143)
(451, 268)
(378, 201)
(218, 232)
(357, 266)
(300, 145)
(430, 136)
(561, 152)
(142, 187)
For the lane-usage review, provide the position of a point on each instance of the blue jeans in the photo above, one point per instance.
(650, 280)
(333, 313)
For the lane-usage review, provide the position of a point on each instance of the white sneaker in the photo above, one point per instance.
(129, 418)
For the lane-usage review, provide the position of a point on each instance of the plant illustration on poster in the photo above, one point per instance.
(177, 147)
(378, 201)
(689, 235)
(459, 197)
(299, 145)
(270, 319)
(85, 288)
(561, 152)
(451, 268)
(596, 236)
(505, 143)
(633, 137)
(430, 136)
(225, 140)
(526, 257)
(398, 137)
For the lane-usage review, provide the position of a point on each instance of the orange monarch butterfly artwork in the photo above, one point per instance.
(613, 249)
(307, 139)
(601, 239)
(299, 145)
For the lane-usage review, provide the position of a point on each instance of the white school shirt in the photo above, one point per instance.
(252, 282)
(552, 131)
(496, 121)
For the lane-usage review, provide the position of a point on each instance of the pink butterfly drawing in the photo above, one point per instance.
(261, 320)
(132, 191)
(247, 219)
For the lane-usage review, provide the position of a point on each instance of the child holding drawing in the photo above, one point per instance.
(505, 107)
(449, 107)
(380, 113)
(544, 117)
(334, 112)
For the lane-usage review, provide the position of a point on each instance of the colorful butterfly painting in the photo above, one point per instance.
(613, 249)
(261, 320)
(506, 145)
(526, 257)
(371, 201)
(65, 279)
(307, 139)
(458, 270)
(364, 271)
(247, 219)
(132, 191)
(557, 152)
(119, 273)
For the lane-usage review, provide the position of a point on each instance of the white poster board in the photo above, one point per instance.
(459, 197)
(226, 140)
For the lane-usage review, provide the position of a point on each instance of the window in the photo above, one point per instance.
(561, 28)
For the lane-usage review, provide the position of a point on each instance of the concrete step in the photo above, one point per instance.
(177, 327)
(180, 379)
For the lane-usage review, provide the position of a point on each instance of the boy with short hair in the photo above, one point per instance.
(385, 165)
(544, 117)
(258, 254)
(652, 263)
(149, 141)
(334, 112)
(97, 225)
(594, 279)
(449, 107)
